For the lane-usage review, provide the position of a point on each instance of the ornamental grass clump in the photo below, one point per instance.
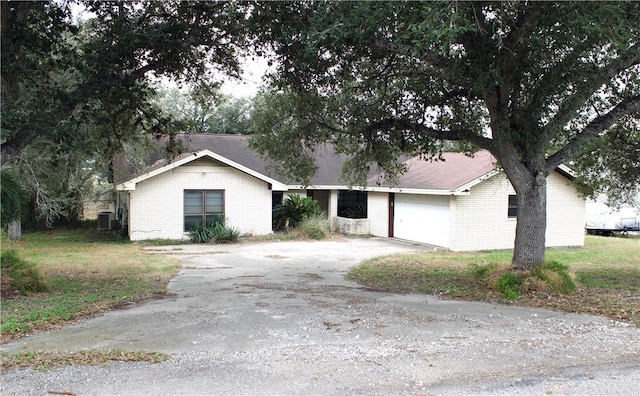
(314, 227)
(550, 277)
(216, 231)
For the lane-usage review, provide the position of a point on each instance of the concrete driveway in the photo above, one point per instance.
(279, 318)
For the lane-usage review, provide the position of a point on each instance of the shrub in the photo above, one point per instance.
(11, 196)
(216, 231)
(511, 285)
(22, 275)
(556, 276)
(224, 234)
(292, 211)
(200, 233)
(314, 227)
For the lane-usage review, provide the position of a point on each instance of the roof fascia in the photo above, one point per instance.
(467, 186)
(566, 171)
(417, 191)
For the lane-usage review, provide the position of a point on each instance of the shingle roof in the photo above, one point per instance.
(233, 147)
(455, 171)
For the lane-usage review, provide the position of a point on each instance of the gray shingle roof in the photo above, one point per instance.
(455, 171)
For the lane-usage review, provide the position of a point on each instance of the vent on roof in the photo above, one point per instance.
(105, 221)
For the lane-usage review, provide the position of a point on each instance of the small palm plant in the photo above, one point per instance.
(292, 211)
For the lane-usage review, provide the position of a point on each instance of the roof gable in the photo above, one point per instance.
(186, 158)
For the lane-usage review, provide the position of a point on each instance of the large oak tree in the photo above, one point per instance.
(532, 82)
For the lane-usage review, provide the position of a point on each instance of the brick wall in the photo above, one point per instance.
(480, 222)
(565, 213)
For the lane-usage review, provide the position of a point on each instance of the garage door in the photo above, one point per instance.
(422, 218)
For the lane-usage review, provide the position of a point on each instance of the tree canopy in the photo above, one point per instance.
(205, 110)
(103, 70)
(83, 89)
(533, 83)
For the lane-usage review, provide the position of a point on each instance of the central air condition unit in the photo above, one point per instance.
(105, 219)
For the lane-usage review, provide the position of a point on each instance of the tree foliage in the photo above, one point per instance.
(83, 90)
(205, 110)
(610, 166)
(533, 83)
(12, 196)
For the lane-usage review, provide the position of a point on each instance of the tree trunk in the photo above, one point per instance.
(531, 227)
(14, 230)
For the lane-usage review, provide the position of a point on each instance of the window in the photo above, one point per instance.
(276, 198)
(352, 204)
(202, 206)
(512, 211)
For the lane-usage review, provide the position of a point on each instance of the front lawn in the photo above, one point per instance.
(606, 273)
(84, 273)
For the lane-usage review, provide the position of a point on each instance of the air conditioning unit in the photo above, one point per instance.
(105, 219)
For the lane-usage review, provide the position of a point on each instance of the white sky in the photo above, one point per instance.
(251, 81)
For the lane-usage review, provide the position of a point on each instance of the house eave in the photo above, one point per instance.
(126, 186)
(566, 172)
(399, 190)
(478, 180)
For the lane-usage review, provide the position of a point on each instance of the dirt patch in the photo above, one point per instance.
(7, 291)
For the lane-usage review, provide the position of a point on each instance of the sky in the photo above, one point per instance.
(252, 78)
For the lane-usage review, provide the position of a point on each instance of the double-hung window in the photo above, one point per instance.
(512, 211)
(202, 207)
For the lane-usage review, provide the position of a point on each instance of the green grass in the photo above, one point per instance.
(407, 273)
(602, 278)
(610, 278)
(85, 272)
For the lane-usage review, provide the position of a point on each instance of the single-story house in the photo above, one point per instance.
(462, 203)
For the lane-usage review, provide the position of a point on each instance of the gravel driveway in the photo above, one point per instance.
(279, 318)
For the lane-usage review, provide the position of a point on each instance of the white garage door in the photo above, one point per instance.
(422, 218)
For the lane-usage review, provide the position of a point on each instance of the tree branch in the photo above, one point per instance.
(593, 130)
(577, 101)
(454, 135)
(16, 143)
(406, 50)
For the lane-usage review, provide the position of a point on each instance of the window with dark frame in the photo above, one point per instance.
(352, 204)
(512, 211)
(202, 207)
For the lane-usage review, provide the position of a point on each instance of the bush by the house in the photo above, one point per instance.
(225, 234)
(217, 231)
(293, 211)
(314, 227)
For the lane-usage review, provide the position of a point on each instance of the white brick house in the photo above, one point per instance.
(156, 206)
(462, 203)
